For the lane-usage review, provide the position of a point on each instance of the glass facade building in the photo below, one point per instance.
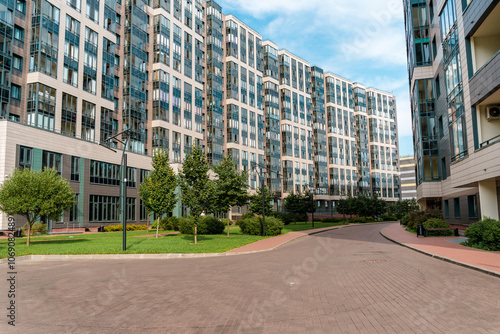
(181, 73)
(453, 61)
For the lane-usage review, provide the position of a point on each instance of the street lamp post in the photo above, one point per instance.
(263, 195)
(311, 190)
(123, 183)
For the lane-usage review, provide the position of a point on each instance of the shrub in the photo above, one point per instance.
(289, 217)
(173, 223)
(404, 219)
(332, 219)
(248, 214)
(211, 225)
(437, 223)
(115, 228)
(419, 217)
(37, 228)
(206, 225)
(186, 225)
(369, 219)
(317, 219)
(360, 220)
(388, 217)
(253, 226)
(224, 221)
(485, 234)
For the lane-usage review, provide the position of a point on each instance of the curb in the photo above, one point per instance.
(442, 258)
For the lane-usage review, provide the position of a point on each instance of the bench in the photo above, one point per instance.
(426, 230)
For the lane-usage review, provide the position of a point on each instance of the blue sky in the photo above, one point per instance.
(361, 40)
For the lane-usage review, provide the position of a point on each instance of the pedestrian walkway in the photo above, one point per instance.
(445, 248)
(274, 242)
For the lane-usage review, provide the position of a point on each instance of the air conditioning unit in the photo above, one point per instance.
(493, 112)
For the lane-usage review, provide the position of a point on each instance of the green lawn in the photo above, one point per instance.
(111, 242)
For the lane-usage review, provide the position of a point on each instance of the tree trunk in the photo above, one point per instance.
(228, 212)
(157, 226)
(195, 234)
(29, 233)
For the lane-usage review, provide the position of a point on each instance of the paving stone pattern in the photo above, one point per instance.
(348, 280)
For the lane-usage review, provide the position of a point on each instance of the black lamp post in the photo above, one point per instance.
(123, 183)
(263, 195)
(313, 208)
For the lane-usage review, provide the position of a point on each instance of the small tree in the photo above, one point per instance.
(256, 202)
(34, 194)
(158, 190)
(197, 188)
(230, 187)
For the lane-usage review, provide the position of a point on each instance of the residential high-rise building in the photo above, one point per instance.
(408, 180)
(453, 64)
(177, 74)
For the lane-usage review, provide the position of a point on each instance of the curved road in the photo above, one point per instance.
(349, 280)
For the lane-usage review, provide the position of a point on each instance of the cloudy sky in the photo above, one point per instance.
(361, 40)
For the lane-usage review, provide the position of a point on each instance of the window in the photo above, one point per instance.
(76, 4)
(52, 160)
(15, 91)
(443, 168)
(21, 6)
(456, 206)
(25, 157)
(73, 212)
(446, 209)
(104, 208)
(437, 83)
(472, 201)
(131, 209)
(104, 173)
(441, 128)
(75, 169)
(17, 62)
(131, 177)
(19, 33)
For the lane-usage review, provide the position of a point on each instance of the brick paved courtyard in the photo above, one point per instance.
(349, 280)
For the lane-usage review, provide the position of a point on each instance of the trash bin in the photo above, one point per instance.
(100, 228)
(420, 229)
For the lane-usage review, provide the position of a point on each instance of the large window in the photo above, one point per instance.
(131, 203)
(472, 203)
(25, 157)
(104, 208)
(75, 169)
(73, 212)
(446, 209)
(104, 173)
(456, 206)
(52, 160)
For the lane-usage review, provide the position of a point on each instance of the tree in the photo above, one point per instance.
(196, 186)
(256, 202)
(299, 203)
(158, 189)
(230, 187)
(34, 194)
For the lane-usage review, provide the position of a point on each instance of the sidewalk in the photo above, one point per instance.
(274, 242)
(444, 249)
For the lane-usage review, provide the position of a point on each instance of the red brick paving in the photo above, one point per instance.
(347, 280)
(273, 242)
(438, 246)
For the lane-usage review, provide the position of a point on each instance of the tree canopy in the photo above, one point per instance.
(256, 202)
(230, 187)
(33, 194)
(158, 189)
(196, 186)
(299, 203)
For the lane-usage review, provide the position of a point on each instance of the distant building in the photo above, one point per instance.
(408, 180)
